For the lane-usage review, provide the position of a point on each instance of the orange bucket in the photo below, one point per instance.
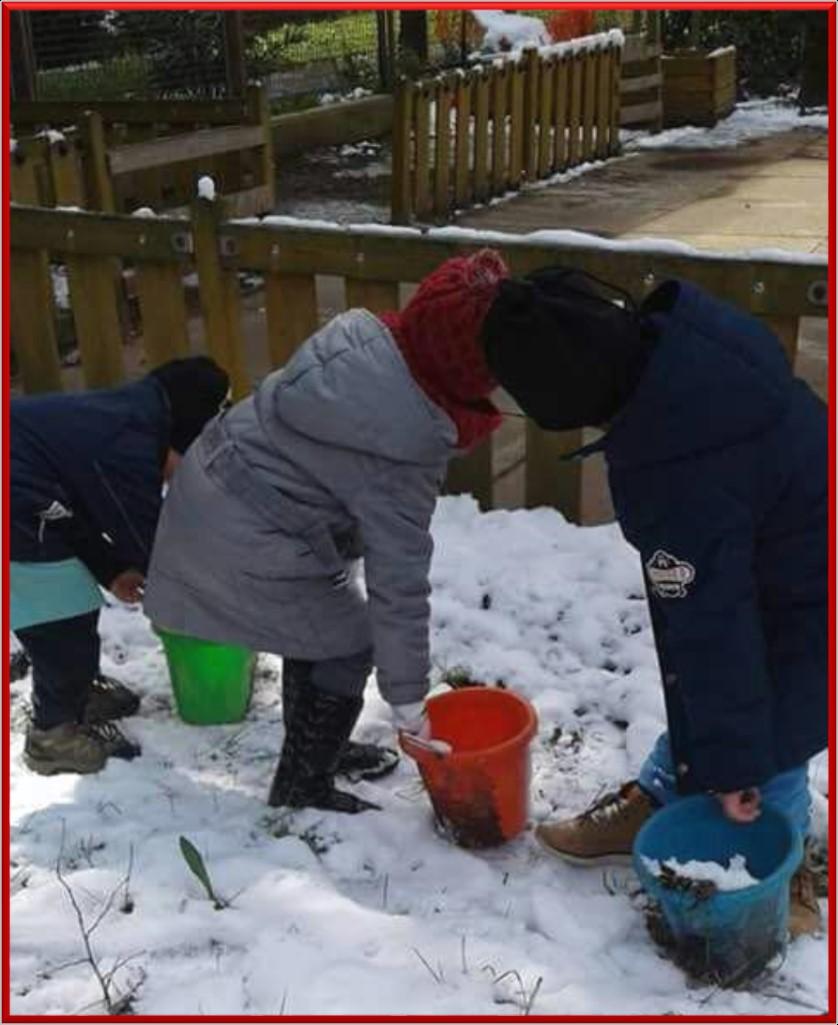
(480, 790)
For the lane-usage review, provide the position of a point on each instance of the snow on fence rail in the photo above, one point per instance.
(118, 155)
(373, 262)
(462, 138)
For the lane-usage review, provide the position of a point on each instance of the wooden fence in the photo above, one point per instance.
(127, 154)
(373, 263)
(463, 138)
(641, 84)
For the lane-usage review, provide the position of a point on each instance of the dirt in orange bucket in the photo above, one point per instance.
(469, 820)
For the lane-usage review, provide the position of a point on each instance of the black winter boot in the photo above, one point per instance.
(314, 738)
(357, 761)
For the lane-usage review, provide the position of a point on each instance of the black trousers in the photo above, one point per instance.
(65, 659)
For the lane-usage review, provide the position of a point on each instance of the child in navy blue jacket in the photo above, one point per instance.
(86, 481)
(717, 463)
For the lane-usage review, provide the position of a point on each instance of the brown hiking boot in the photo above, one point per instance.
(603, 833)
(804, 910)
(75, 747)
(67, 747)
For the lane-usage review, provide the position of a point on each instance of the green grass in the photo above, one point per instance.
(116, 78)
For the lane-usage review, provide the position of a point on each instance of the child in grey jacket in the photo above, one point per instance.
(340, 454)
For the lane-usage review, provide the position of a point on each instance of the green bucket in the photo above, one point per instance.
(211, 682)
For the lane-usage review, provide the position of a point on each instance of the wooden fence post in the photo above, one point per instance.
(93, 298)
(464, 144)
(422, 198)
(560, 113)
(401, 201)
(291, 307)
(481, 136)
(589, 66)
(375, 296)
(616, 100)
(500, 104)
(531, 97)
(219, 291)
(65, 173)
(517, 126)
(23, 185)
(259, 108)
(575, 108)
(549, 480)
(98, 183)
(545, 117)
(162, 311)
(33, 321)
(442, 155)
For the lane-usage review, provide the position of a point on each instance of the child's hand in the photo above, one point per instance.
(128, 586)
(741, 805)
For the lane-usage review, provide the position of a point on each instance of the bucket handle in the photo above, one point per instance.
(437, 748)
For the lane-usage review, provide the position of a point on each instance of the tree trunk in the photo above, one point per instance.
(413, 32)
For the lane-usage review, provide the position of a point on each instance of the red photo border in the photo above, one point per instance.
(8, 7)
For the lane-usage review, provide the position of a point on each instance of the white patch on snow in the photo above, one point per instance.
(51, 135)
(144, 211)
(326, 99)
(333, 914)
(511, 31)
(754, 119)
(206, 188)
(735, 876)
(375, 170)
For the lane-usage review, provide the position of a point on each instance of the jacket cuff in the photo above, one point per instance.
(402, 693)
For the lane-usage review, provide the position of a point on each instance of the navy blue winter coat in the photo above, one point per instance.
(718, 472)
(87, 475)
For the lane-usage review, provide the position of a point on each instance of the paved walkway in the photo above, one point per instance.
(772, 193)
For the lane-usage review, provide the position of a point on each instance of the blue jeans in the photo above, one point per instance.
(788, 791)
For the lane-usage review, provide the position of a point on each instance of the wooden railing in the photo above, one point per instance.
(372, 262)
(463, 138)
(127, 154)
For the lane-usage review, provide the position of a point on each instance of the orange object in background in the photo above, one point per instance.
(480, 791)
(571, 24)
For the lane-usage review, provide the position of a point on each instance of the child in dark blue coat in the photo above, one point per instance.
(717, 462)
(86, 482)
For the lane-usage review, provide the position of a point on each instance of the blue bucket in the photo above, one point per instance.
(730, 934)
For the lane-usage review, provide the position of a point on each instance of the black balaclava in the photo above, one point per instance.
(565, 351)
(197, 388)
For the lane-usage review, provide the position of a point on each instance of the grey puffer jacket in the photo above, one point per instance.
(339, 454)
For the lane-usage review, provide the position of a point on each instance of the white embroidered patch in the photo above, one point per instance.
(668, 575)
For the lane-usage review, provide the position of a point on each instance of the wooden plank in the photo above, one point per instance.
(129, 112)
(640, 83)
(472, 475)
(590, 61)
(291, 305)
(219, 292)
(644, 112)
(422, 203)
(500, 103)
(463, 144)
(546, 89)
(98, 182)
(66, 175)
(548, 480)
(561, 112)
(141, 156)
(442, 155)
(93, 299)
(517, 128)
(531, 103)
(481, 137)
(616, 72)
(638, 48)
(375, 296)
(333, 125)
(23, 185)
(575, 116)
(64, 231)
(32, 321)
(603, 103)
(162, 311)
(401, 192)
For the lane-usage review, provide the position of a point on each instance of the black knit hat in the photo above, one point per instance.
(564, 349)
(197, 388)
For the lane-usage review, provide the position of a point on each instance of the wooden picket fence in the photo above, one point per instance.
(373, 264)
(462, 138)
(116, 156)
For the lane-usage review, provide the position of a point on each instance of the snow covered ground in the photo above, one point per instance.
(374, 914)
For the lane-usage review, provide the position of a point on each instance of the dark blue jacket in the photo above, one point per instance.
(87, 475)
(718, 471)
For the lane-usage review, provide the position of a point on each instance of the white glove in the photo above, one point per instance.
(413, 719)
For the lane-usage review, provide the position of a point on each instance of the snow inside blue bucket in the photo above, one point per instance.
(727, 935)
